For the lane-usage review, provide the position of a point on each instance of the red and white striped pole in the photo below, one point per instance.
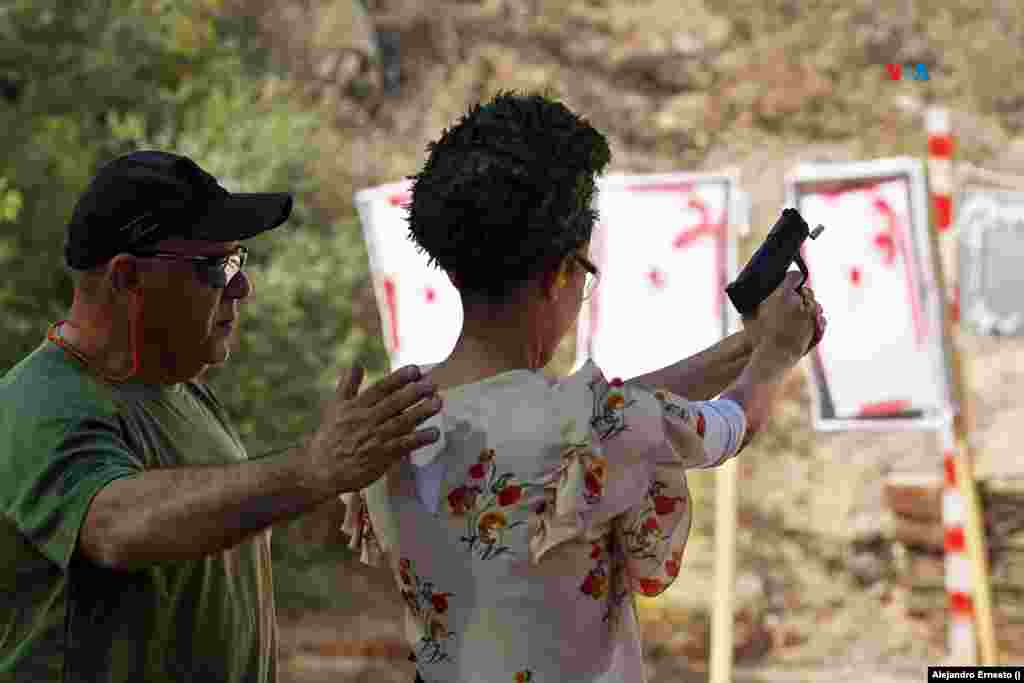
(941, 186)
(970, 622)
(961, 633)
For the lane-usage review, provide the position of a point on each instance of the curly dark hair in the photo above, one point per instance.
(507, 193)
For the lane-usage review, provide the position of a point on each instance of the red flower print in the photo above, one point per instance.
(593, 479)
(595, 551)
(616, 382)
(477, 471)
(458, 500)
(510, 495)
(700, 424)
(650, 586)
(406, 579)
(651, 524)
(663, 505)
(440, 602)
(672, 565)
(595, 585)
(420, 600)
(524, 676)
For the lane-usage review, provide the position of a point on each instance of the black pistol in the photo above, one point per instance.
(768, 266)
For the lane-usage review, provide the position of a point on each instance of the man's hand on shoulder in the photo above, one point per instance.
(362, 435)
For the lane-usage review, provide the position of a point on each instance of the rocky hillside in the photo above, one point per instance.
(677, 84)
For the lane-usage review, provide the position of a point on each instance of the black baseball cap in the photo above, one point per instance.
(147, 196)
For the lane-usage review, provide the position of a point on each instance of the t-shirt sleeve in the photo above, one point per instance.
(52, 474)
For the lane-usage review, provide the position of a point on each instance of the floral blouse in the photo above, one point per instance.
(519, 538)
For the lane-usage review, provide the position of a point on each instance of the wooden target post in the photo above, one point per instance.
(967, 574)
(722, 641)
(726, 520)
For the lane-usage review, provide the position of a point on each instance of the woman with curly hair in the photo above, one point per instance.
(519, 538)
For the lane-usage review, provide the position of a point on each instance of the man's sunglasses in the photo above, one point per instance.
(214, 271)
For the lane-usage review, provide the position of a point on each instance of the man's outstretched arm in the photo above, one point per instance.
(182, 513)
(178, 513)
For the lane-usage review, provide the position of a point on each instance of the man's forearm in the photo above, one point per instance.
(706, 374)
(179, 513)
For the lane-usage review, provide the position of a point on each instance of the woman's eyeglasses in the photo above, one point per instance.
(214, 271)
(592, 276)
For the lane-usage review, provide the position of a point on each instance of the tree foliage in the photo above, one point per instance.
(83, 81)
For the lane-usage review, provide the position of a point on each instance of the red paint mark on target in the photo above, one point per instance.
(884, 408)
(710, 228)
(885, 244)
(391, 305)
(657, 278)
(895, 235)
(401, 199)
(706, 227)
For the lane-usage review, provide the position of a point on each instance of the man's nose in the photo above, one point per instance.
(240, 286)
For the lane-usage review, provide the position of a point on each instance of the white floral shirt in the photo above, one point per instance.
(518, 539)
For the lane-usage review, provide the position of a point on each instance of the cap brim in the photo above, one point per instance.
(242, 216)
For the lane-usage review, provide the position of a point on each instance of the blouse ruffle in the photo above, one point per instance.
(358, 526)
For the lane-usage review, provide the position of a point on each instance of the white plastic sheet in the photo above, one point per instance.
(665, 247)
(990, 224)
(882, 364)
(420, 309)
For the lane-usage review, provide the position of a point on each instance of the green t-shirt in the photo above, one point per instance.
(63, 437)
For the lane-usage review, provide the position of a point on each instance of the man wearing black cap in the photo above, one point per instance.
(134, 529)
